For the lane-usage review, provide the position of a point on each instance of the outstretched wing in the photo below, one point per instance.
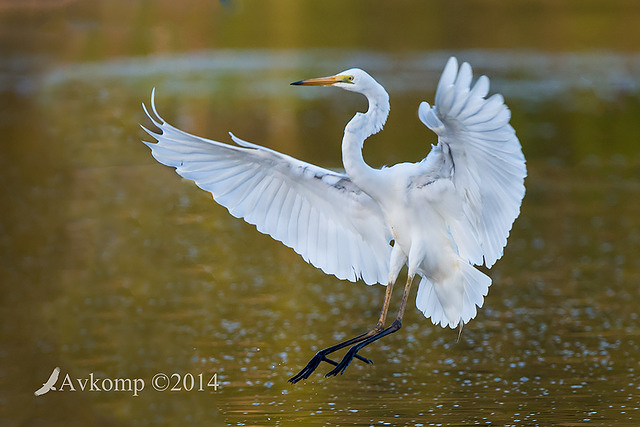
(485, 161)
(321, 214)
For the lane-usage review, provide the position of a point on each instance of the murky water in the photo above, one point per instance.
(113, 268)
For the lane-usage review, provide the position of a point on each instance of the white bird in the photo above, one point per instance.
(439, 217)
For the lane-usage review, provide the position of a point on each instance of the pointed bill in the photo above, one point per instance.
(324, 81)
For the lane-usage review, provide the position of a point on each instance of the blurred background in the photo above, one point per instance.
(112, 265)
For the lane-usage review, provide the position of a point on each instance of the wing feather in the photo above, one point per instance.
(489, 167)
(319, 213)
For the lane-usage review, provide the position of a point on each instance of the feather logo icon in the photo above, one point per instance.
(49, 384)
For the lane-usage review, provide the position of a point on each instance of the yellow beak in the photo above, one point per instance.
(323, 81)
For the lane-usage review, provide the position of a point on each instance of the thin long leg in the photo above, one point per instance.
(321, 356)
(397, 324)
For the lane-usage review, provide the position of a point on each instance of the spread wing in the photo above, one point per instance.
(319, 213)
(479, 152)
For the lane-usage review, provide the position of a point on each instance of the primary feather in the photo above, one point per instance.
(319, 213)
(489, 164)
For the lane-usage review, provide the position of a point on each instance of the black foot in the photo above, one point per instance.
(312, 366)
(353, 351)
(346, 360)
(321, 356)
(316, 360)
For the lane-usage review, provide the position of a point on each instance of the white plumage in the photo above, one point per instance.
(452, 210)
(321, 214)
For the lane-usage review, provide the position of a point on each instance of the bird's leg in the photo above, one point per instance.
(321, 356)
(397, 324)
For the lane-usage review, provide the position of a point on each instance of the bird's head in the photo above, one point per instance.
(353, 79)
(356, 80)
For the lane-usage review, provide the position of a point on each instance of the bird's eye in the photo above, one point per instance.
(350, 79)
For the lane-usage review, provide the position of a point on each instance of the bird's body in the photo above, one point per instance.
(439, 217)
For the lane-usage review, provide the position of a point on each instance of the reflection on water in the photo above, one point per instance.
(113, 266)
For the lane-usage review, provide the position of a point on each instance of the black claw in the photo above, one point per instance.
(345, 362)
(364, 359)
(339, 369)
(311, 366)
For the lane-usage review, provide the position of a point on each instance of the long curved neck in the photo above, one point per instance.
(361, 126)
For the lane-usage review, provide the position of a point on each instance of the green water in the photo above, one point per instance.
(112, 266)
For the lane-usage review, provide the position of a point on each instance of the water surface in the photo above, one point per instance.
(113, 266)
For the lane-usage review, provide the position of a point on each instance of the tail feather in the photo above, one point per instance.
(454, 299)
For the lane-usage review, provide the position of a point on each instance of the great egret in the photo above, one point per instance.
(439, 217)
